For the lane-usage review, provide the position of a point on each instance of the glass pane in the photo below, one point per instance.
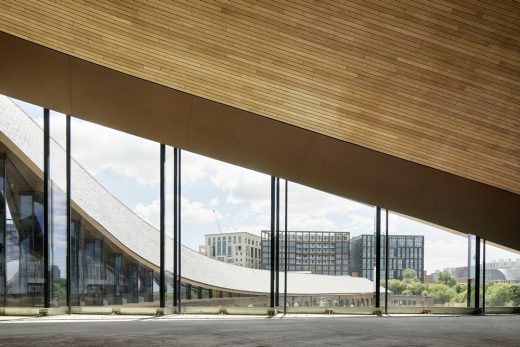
(427, 266)
(22, 204)
(502, 276)
(331, 251)
(225, 208)
(115, 236)
(58, 211)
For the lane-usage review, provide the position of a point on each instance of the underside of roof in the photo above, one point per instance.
(409, 105)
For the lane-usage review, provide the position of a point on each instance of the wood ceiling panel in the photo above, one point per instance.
(434, 82)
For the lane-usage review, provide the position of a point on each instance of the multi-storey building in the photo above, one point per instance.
(240, 248)
(405, 252)
(320, 252)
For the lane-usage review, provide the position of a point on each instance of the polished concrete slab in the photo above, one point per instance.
(300, 330)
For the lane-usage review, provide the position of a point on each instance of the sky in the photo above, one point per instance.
(217, 195)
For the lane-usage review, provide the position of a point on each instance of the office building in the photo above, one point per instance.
(239, 248)
(320, 252)
(405, 252)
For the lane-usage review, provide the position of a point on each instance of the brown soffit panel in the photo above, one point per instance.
(158, 113)
(363, 174)
(245, 139)
(471, 207)
(34, 73)
(129, 104)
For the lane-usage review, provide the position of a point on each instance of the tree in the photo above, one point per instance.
(441, 293)
(515, 295)
(446, 278)
(409, 274)
(396, 286)
(414, 288)
(498, 294)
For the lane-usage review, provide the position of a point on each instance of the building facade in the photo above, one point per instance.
(240, 248)
(320, 252)
(405, 252)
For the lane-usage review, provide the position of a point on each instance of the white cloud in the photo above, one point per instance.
(99, 149)
(191, 212)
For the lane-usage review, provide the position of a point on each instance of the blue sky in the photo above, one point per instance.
(128, 166)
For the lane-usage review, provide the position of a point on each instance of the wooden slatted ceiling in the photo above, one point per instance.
(435, 82)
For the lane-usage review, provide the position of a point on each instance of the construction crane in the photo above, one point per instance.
(218, 223)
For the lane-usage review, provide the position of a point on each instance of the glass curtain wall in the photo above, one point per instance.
(224, 211)
(226, 233)
(331, 252)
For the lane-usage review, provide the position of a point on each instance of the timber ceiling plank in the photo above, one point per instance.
(433, 82)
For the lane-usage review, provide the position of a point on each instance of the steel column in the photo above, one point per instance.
(285, 255)
(69, 219)
(477, 272)
(277, 246)
(378, 257)
(483, 276)
(46, 207)
(162, 252)
(3, 211)
(176, 205)
(177, 229)
(272, 240)
(387, 241)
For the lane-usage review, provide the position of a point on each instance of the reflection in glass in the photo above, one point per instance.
(23, 281)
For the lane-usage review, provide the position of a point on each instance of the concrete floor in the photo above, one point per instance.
(79, 330)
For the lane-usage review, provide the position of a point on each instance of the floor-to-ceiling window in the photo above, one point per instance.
(427, 266)
(331, 251)
(224, 211)
(502, 277)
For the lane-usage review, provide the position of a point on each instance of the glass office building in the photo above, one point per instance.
(319, 252)
(405, 252)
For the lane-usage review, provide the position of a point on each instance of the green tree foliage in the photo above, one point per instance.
(410, 274)
(446, 290)
(441, 292)
(415, 288)
(446, 278)
(515, 295)
(396, 286)
(499, 294)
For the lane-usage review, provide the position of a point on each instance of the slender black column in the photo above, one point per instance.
(69, 219)
(176, 229)
(387, 241)
(175, 226)
(477, 272)
(179, 244)
(285, 254)
(272, 240)
(277, 246)
(378, 257)
(483, 276)
(3, 216)
(162, 280)
(46, 207)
